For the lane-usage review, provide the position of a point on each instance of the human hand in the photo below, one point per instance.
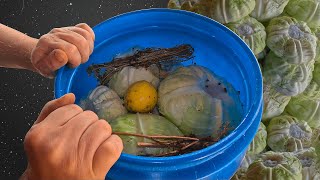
(72, 45)
(66, 142)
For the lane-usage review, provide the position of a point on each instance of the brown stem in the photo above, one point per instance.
(151, 145)
(156, 136)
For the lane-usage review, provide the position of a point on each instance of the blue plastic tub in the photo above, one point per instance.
(217, 48)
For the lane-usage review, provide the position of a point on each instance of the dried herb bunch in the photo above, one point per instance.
(142, 58)
(179, 144)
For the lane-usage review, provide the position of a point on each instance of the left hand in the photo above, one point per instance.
(68, 45)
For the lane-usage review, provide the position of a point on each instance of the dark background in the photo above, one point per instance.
(23, 93)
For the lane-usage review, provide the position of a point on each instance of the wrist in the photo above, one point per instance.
(29, 44)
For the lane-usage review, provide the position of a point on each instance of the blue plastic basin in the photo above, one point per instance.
(217, 48)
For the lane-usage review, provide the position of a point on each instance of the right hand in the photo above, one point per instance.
(66, 142)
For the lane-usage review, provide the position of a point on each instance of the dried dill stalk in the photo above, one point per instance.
(143, 58)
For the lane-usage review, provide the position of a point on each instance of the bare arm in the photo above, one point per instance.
(68, 45)
(15, 49)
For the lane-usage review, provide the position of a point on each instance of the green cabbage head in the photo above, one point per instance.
(286, 78)
(121, 80)
(291, 39)
(195, 101)
(275, 165)
(310, 164)
(252, 32)
(274, 102)
(305, 10)
(316, 32)
(268, 9)
(315, 141)
(241, 172)
(145, 124)
(105, 102)
(226, 11)
(259, 142)
(223, 11)
(287, 134)
(182, 4)
(305, 110)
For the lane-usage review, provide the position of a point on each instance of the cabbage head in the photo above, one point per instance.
(268, 9)
(305, 110)
(316, 32)
(274, 102)
(145, 124)
(231, 10)
(275, 165)
(310, 164)
(241, 172)
(287, 134)
(105, 103)
(121, 80)
(315, 141)
(182, 4)
(195, 101)
(305, 10)
(291, 39)
(252, 32)
(259, 142)
(286, 78)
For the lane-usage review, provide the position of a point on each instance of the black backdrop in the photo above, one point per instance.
(22, 93)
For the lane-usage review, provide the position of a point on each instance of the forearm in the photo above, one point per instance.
(15, 49)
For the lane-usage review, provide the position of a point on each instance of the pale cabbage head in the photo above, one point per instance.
(121, 80)
(291, 40)
(182, 4)
(259, 142)
(274, 102)
(286, 78)
(231, 10)
(252, 32)
(279, 166)
(287, 134)
(305, 110)
(241, 172)
(315, 141)
(316, 32)
(194, 100)
(268, 9)
(105, 102)
(305, 10)
(223, 11)
(145, 124)
(310, 163)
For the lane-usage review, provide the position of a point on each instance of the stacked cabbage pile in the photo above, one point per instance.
(284, 36)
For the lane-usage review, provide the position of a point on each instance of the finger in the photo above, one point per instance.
(79, 123)
(52, 42)
(87, 28)
(55, 104)
(106, 155)
(79, 41)
(92, 138)
(62, 115)
(85, 34)
(55, 60)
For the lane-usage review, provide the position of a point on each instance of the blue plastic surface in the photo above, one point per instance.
(217, 48)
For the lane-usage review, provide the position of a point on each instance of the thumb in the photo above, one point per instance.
(55, 104)
(106, 156)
